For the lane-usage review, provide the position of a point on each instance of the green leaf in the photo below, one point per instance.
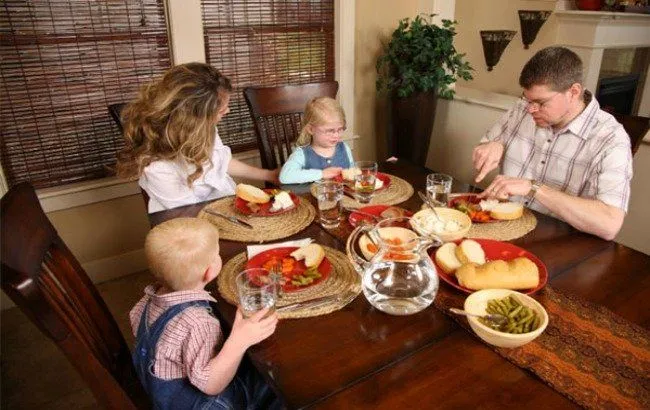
(421, 57)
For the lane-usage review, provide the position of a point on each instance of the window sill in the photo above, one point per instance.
(90, 192)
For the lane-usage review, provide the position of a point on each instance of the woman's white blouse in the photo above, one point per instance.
(166, 181)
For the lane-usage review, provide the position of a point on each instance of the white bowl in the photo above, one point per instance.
(445, 214)
(477, 303)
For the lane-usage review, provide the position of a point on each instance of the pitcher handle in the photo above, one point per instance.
(429, 241)
(360, 263)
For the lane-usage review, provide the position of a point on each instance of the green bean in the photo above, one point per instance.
(513, 313)
(521, 318)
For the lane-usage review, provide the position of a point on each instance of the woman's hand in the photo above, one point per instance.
(250, 331)
(486, 157)
(331, 172)
(274, 176)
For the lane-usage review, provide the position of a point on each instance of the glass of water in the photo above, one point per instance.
(364, 182)
(256, 291)
(329, 193)
(439, 188)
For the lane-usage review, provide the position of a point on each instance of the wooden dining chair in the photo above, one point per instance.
(116, 113)
(277, 113)
(635, 126)
(40, 274)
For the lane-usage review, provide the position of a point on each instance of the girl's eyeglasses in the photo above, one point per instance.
(330, 131)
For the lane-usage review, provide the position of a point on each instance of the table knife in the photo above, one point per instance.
(316, 302)
(230, 218)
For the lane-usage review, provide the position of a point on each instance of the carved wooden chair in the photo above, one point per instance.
(116, 111)
(636, 127)
(277, 113)
(40, 274)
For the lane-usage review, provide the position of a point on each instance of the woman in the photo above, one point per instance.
(172, 143)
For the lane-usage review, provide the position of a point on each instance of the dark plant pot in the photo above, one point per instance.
(410, 122)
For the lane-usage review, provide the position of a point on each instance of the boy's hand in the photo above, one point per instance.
(331, 172)
(247, 332)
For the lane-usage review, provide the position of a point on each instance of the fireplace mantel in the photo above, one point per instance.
(589, 33)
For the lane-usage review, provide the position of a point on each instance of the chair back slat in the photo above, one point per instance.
(40, 274)
(635, 126)
(277, 114)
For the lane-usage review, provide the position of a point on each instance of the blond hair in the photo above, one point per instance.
(316, 113)
(173, 118)
(180, 250)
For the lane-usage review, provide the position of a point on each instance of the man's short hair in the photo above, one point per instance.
(556, 67)
(180, 250)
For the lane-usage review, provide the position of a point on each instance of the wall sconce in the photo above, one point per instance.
(531, 21)
(494, 42)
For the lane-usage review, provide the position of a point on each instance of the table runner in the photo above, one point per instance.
(587, 353)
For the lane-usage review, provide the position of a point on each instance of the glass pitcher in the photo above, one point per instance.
(397, 275)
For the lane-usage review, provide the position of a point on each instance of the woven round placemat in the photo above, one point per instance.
(504, 230)
(265, 228)
(343, 280)
(397, 192)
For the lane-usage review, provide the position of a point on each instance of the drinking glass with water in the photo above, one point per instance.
(256, 291)
(329, 194)
(364, 181)
(439, 188)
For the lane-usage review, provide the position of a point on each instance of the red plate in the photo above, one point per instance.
(471, 198)
(257, 261)
(242, 206)
(385, 178)
(355, 218)
(497, 250)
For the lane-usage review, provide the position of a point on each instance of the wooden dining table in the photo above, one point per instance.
(360, 357)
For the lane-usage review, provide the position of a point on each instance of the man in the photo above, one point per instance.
(558, 150)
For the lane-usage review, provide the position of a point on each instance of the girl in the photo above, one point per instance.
(172, 143)
(319, 153)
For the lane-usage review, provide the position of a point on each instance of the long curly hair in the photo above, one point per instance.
(174, 118)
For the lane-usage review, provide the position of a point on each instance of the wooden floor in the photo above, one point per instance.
(35, 374)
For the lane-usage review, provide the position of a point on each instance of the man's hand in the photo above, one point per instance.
(247, 332)
(504, 187)
(331, 172)
(486, 157)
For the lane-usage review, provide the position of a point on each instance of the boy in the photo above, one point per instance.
(177, 354)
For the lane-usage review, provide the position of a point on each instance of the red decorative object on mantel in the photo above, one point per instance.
(591, 5)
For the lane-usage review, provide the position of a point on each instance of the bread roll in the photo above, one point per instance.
(507, 211)
(470, 251)
(252, 193)
(313, 254)
(519, 273)
(446, 258)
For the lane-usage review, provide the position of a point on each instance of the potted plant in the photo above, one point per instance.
(418, 64)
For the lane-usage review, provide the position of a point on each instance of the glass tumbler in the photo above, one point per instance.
(329, 194)
(364, 182)
(439, 188)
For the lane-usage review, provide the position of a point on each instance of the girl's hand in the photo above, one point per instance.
(331, 172)
(250, 331)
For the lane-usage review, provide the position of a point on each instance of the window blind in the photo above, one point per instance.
(62, 63)
(266, 43)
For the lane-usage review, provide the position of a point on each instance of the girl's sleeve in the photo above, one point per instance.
(349, 152)
(293, 171)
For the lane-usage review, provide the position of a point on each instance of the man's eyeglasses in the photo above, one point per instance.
(330, 131)
(538, 104)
